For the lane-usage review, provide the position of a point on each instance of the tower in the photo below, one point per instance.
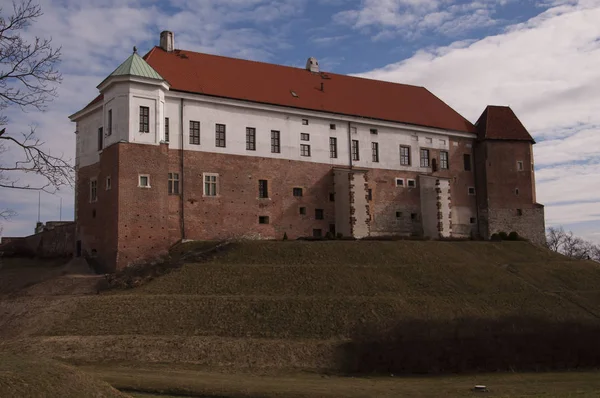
(505, 177)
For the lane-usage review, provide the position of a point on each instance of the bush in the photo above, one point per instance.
(495, 238)
(503, 235)
(339, 235)
(329, 236)
(514, 236)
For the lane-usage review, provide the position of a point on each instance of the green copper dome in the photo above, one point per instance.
(136, 66)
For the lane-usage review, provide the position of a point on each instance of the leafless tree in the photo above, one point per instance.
(570, 245)
(28, 78)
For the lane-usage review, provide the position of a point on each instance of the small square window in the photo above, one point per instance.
(471, 191)
(517, 191)
(353, 130)
(428, 140)
(442, 142)
(398, 214)
(263, 219)
(108, 183)
(519, 212)
(303, 211)
(413, 216)
(472, 220)
(374, 131)
(399, 182)
(369, 194)
(520, 165)
(304, 150)
(332, 126)
(305, 122)
(414, 137)
(317, 233)
(297, 192)
(144, 181)
(411, 183)
(304, 137)
(319, 214)
(332, 197)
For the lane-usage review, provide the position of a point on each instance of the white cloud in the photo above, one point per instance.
(547, 70)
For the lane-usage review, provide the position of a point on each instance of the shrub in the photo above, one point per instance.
(329, 235)
(339, 235)
(503, 235)
(513, 236)
(495, 238)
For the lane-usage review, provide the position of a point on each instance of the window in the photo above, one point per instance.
(317, 233)
(373, 131)
(304, 150)
(411, 183)
(428, 140)
(399, 182)
(211, 186)
(471, 191)
(305, 122)
(472, 220)
(398, 214)
(333, 147)
(297, 192)
(275, 143)
(220, 135)
(519, 212)
(250, 139)
(173, 183)
(302, 210)
(263, 189)
(520, 165)
(369, 194)
(375, 151)
(517, 191)
(263, 219)
(355, 150)
(93, 190)
(166, 129)
(108, 183)
(424, 157)
(304, 137)
(194, 132)
(332, 126)
(414, 216)
(332, 197)
(467, 161)
(332, 229)
(144, 119)
(109, 127)
(414, 137)
(444, 160)
(100, 139)
(404, 155)
(442, 142)
(353, 130)
(144, 181)
(319, 214)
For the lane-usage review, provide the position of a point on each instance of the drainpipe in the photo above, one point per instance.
(181, 211)
(350, 144)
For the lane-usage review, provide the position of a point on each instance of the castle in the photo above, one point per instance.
(182, 145)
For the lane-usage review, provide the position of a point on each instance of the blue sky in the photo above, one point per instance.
(541, 57)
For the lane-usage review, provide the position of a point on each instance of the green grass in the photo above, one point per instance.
(175, 381)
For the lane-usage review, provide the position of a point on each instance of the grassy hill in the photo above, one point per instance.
(335, 305)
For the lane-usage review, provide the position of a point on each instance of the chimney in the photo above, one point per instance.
(312, 65)
(167, 41)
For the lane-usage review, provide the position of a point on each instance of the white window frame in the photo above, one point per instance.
(140, 176)
(402, 183)
(93, 198)
(216, 182)
(108, 183)
(408, 180)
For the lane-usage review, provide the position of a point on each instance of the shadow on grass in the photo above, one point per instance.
(472, 345)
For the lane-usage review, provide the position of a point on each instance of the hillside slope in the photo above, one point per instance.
(332, 306)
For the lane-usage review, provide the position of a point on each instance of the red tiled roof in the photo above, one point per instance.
(501, 123)
(272, 84)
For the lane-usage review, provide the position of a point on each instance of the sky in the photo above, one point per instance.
(540, 57)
